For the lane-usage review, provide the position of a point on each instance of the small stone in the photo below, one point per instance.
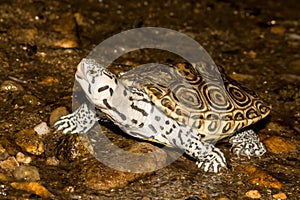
(33, 187)
(252, 54)
(42, 129)
(278, 144)
(241, 77)
(294, 66)
(9, 164)
(49, 80)
(56, 114)
(66, 25)
(280, 196)
(66, 43)
(53, 161)
(31, 100)
(3, 153)
(26, 173)
(24, 36)
(11, 86)
(253, 194)
(21, 158)
(278, 30)
(259, 177)
(29, 141)
(69, 189)
(3, 177)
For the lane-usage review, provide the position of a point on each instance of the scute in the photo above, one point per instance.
(199, 96)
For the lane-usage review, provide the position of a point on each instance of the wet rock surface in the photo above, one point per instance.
(41, 42)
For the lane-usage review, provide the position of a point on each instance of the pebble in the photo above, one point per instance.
(253, 194)
(3, 153)
(278, 30)
(9, 164)
(259, 177)
(21, 158)
(24, 36)
(49, 80)
(42, 129)
(252, 54)
(28, 140)
(241, 77)
(33, 187)
(294, 66)
(53, 161)
(56, 114)
(31, 100)
(26, 173)
(280, 196)
(278, 144)
(4, 177)
(66, 25)
(11, 86)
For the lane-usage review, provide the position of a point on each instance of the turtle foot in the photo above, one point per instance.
(80, 121)
(247, 144)
(214, 161)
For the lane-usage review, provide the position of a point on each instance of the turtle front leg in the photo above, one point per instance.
(80, 121)
(247, 143)
(209, 157)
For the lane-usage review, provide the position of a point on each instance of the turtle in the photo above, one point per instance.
(186, 106)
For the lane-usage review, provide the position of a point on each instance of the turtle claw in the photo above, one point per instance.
(80, 121)
(247, 144)
(213, 162)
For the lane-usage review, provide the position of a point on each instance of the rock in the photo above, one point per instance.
(279, 196)
(56, 114)
(100, 177)
(9, 164)
(96, 175)
(42, 129)
(278, 30)
(241, 77)
(28, 140)
(24, 36)
(4, 177)
(53, 161)
(253, 194)
(21, 158)
(30, 100)
(66, 25)
(294, 66)
(3, 153)
(33, 187)
(49, 80)
(11, 86)
(252, 54)
(259, 177)
(278, 144)
(26, 173)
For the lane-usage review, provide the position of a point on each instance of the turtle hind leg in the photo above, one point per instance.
(209, 157)
(247, 143)
(80, 121)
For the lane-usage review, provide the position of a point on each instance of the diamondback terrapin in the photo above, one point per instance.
(183, 106)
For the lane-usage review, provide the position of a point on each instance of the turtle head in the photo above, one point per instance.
(97, 83)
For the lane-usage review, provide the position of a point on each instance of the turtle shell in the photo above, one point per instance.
(199, 96)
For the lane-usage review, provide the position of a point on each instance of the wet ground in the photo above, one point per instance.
(41, 42)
